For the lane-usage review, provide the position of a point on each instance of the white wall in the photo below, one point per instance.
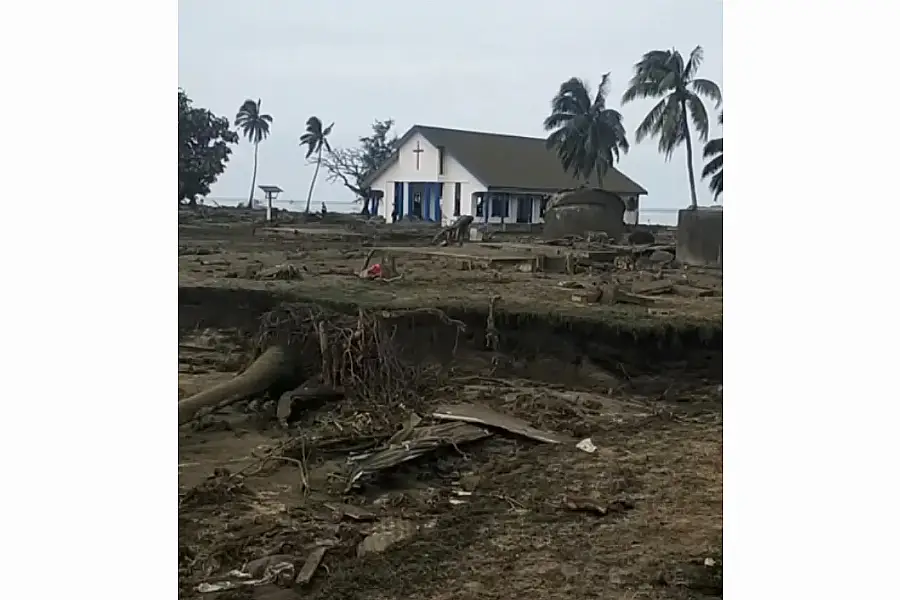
(631, 216)
(405, 170)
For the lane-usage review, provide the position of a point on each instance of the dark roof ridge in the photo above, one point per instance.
(502, 160)
(475, 132)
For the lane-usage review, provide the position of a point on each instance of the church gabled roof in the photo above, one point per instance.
(510, 161)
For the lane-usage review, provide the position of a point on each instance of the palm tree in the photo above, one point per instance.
(713, 169)
(586, 135)
(315, 139)
(664, 74)
(255, 127)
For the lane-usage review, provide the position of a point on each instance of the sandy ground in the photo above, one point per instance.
(498, 518)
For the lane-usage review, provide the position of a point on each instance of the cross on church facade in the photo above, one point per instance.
(418, 151)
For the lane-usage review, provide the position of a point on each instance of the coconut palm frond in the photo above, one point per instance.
(587, 136)
(667, 76)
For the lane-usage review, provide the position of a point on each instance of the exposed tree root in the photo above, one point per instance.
(271, 366)
(355, 357)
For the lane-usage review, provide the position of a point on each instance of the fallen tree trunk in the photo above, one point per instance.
(272, 365)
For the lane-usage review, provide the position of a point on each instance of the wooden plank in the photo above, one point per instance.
(309, 567)
(652, 288)
(690, 291)
(482, 415)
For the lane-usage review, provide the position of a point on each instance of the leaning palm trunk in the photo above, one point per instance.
(253, 180)
(312, 184)
(271, 366)
(690, 155)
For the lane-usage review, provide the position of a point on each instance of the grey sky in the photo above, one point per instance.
(489, 65)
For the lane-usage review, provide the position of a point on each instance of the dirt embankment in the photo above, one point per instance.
(521, 336)
(501, 516)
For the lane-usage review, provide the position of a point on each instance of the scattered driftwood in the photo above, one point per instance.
(283, 272)
(310, 565)
(271, 366)
(566, 240)
(354, 513)
(593, 506)
(482, 415)
(610, 294)
(690, 291)
(421, 441)
(653, 288)
(456, 232)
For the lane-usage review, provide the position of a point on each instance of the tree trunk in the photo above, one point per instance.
(688, 145)
(253, 180)
(365, 208)
(312, 184)
(272, 365)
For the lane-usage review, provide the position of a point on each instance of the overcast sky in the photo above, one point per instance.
(468, 64)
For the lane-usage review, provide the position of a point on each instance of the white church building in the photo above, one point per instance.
(437, 174)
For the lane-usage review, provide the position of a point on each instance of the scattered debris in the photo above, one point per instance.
(421, 441)
(280, 573)
(482, 415)
(586, 445)
(566, 240)
(310, 565)
(653, 287)
(386, 534)
(586, 297)
(407, 430)
(283, 272)
(571, 285)
(385, 271)
(692, 291)
(591, 505)
(354, 513)
(611, 294)
(257, 568)
(624, 262)
(456, 232)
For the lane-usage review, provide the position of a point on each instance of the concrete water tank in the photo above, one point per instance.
(577, 212)
(698, 240)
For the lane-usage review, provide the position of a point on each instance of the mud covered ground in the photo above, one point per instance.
(506, 517)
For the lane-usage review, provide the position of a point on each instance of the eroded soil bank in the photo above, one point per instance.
(611, 342)
(491, 519)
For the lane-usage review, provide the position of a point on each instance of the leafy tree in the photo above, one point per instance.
(713, 169)
(586, 135)
(203, 151)
(666, 75)
(255, 127)
(315, 139)
(351, 166)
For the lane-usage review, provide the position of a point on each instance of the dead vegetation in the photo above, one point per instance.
(399, 451)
